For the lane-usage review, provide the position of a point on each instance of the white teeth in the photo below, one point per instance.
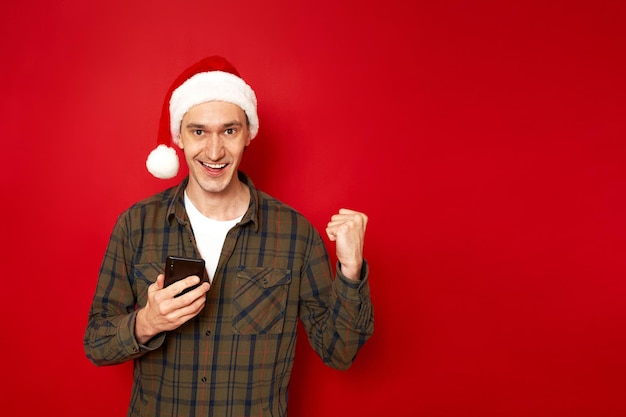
(214, 166)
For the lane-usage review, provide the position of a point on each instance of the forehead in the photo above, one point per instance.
(215, 112)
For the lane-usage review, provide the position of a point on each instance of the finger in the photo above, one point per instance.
(160, 281)
(190, 304)
(157, 285)
(180, 286)
(192, 310)
(352, 222)
(344, 212)
(195, 294)
(331, 233)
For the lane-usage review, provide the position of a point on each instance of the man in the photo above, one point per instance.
(226, 347)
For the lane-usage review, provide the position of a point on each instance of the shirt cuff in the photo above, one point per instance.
(351, 289)
(129, 341)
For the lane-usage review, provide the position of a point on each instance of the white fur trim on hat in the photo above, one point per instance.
(163, 162)
(212, 86)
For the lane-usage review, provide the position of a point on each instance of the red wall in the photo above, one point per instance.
(485, 139)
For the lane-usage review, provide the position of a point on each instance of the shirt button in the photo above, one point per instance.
(204, 379)
(265, 281)
(208, 333)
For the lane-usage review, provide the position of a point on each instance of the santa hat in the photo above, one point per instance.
(212, 79)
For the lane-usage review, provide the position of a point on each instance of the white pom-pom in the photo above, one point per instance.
(163, 162)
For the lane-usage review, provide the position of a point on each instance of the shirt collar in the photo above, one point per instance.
(176, 209)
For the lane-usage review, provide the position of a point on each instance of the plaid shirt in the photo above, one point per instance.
(235, 357)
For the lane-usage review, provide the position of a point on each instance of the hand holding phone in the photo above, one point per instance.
(177, 268)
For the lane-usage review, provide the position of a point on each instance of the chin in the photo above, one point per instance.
(215, 184)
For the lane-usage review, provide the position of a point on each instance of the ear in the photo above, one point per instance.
(179, 141)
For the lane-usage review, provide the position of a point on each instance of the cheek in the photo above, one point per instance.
(188, 145)
(239, 151)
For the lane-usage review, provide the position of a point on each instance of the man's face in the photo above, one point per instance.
(213, 137)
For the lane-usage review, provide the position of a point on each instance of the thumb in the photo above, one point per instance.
(160, 282)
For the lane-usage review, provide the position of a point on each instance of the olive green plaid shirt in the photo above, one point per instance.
(235, 358)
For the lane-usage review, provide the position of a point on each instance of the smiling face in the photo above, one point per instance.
(213, 137)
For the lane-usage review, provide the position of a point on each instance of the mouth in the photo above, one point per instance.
(213, 168)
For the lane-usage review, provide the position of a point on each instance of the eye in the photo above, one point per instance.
(197, 132)
(230, 131)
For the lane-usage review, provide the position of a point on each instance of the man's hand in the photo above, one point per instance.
(163, 312)
(347, 230)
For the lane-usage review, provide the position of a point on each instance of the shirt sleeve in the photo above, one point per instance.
(336, 312)
(110, 335)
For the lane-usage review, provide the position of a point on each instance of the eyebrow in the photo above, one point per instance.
(226, 125)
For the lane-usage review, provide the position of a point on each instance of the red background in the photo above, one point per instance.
(485, 139)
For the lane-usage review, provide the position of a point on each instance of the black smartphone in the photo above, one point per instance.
(177, 268)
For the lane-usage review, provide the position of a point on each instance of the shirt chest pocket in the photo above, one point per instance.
(144, 275)
(260, 300)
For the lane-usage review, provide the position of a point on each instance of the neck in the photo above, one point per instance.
(221, 206)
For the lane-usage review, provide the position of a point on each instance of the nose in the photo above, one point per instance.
(214, 147)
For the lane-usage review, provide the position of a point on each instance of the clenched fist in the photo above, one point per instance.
(347, 230)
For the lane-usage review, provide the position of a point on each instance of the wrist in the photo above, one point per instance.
(351, 271)
(142, 329)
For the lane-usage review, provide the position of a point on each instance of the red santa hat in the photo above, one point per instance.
(212, 79)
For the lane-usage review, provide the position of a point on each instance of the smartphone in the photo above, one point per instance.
(177, 268)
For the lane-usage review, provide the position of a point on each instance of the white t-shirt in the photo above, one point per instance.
(210, 235)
